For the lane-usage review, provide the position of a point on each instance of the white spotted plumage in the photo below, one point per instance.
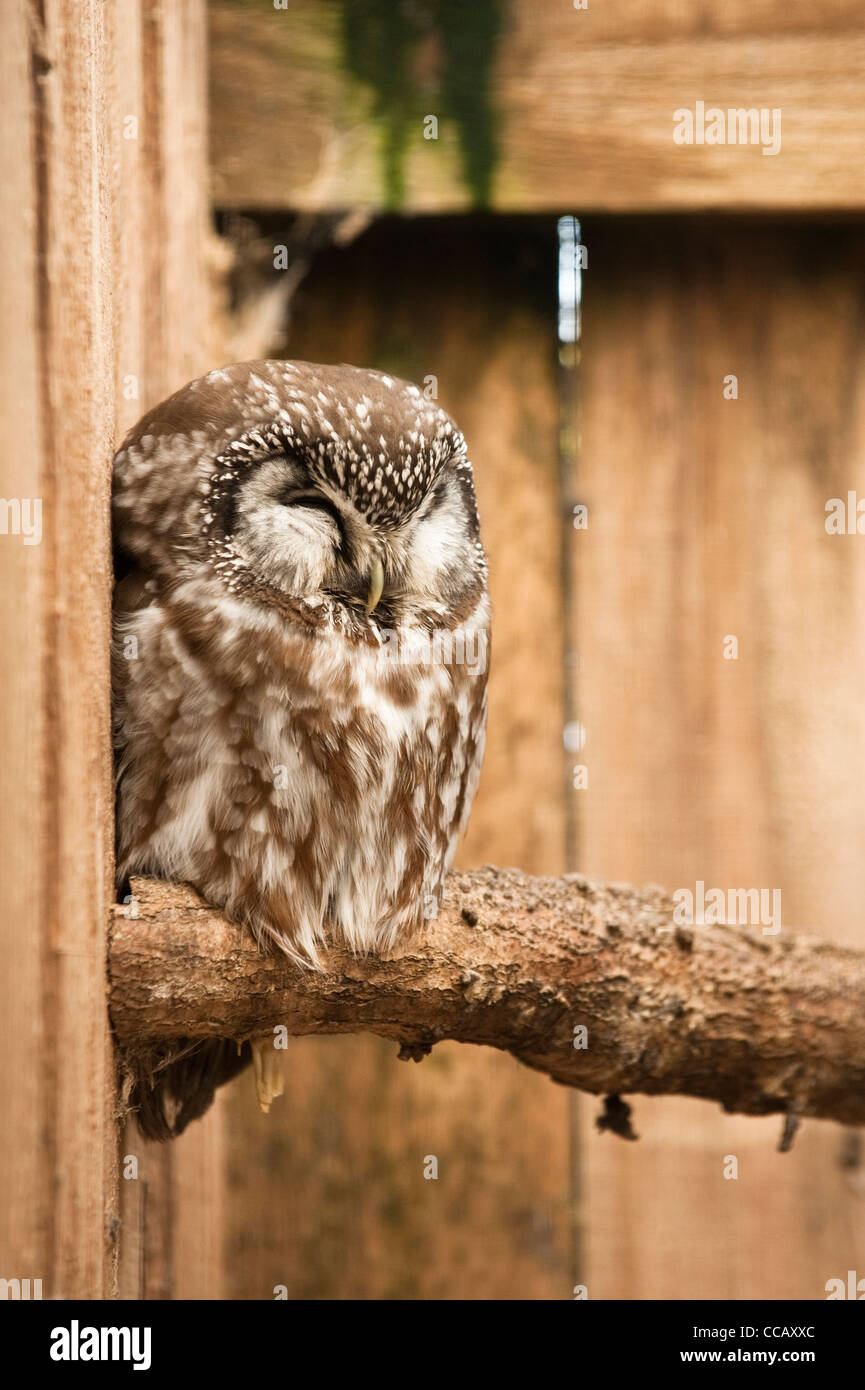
(281, 748)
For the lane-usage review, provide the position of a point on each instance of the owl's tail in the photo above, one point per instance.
(170, 1086)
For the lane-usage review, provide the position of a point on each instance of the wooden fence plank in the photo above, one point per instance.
(83, 354)
(173, 1212)
(23, 1212)
(706, 521)
(75, 286)
(328, 1195)
(557, 107)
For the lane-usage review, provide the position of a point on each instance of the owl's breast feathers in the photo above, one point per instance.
(300, 778)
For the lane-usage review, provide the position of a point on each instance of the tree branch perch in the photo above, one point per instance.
(761, 1025)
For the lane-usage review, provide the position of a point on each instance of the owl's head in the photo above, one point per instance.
(326, 485)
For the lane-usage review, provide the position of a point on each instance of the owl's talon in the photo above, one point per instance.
(269, 1076)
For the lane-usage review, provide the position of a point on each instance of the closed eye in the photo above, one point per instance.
(316, 502)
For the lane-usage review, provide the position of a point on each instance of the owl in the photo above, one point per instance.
(301, 639)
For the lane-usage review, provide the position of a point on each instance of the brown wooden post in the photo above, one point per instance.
(105, 302)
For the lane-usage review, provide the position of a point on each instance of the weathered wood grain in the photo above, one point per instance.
(173, 1211)
(105, 309)
(565, 108)
(706, 519)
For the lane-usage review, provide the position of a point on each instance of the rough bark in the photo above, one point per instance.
(760, 1024)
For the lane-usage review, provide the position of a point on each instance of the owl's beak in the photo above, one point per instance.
(376, 584)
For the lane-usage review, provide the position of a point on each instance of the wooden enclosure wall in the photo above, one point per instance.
(106, 308)
(706, 522)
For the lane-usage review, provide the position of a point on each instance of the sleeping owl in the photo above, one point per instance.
(301, 630)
